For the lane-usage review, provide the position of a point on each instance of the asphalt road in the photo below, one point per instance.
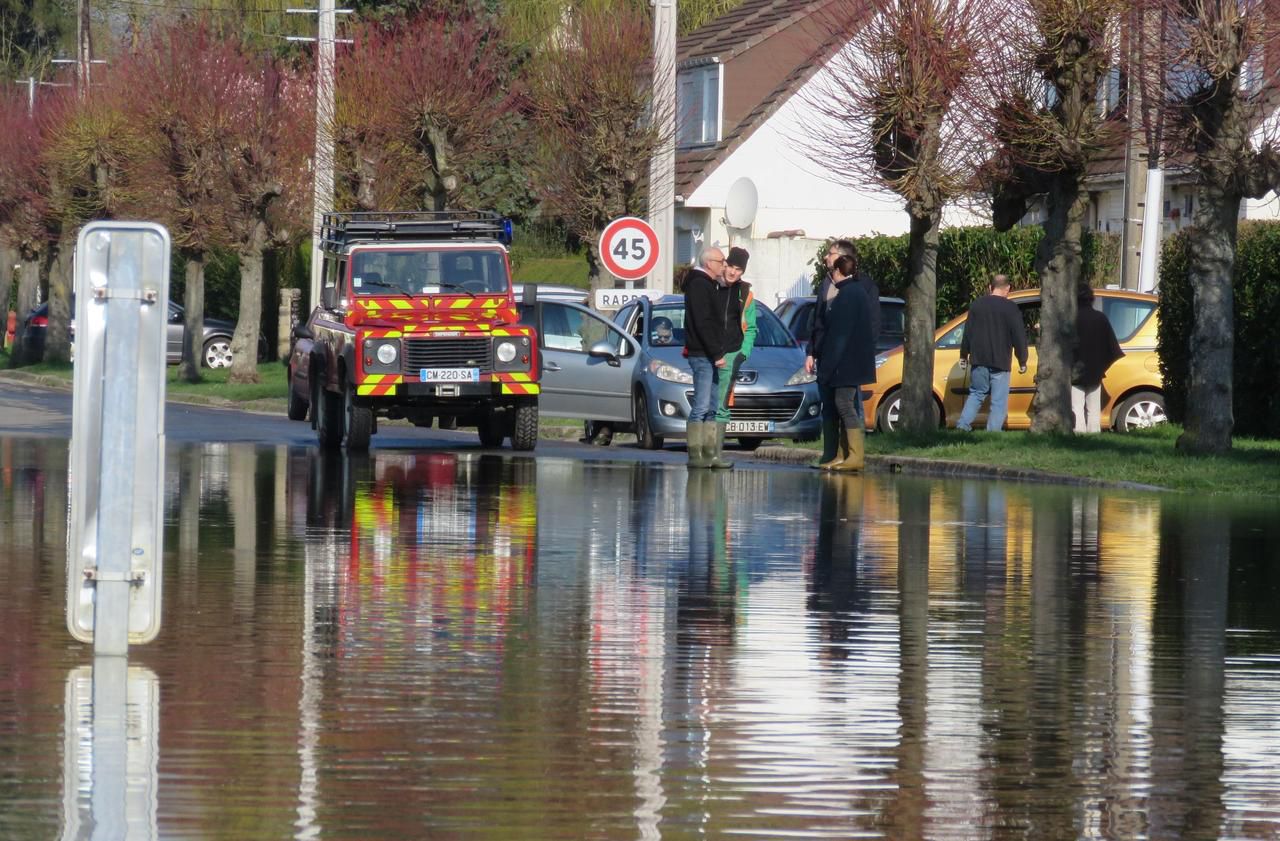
(28, 410)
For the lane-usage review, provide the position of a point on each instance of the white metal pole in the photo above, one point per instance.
(662, 167)
(323, 199)
(1152, 222)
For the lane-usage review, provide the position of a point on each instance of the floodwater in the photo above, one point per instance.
(464, 645)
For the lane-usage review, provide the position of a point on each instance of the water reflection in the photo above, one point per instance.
(433, 644)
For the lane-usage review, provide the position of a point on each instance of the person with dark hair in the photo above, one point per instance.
(845, 353)
(706, 300)
(832, 438)
(740, 330)
(993, 333)
(1096, 350)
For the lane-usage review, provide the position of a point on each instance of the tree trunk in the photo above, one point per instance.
(918, 405)
(597, 277)
(193, 317)
(1209, 383)
(57, 269)
(244, 344)
(1059, 264)
(28, 286)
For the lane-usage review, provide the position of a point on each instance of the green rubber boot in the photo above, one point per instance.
(696, 435)
(715, 452)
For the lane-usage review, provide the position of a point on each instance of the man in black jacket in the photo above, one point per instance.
(993, 333)
(706, 301)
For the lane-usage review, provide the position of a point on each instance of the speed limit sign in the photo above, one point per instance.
(629, 248)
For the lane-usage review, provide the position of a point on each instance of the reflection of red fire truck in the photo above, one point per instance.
(433, 551)
(416, 320)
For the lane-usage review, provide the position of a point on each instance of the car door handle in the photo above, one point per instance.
(550, 366)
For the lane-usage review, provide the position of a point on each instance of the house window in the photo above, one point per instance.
(1109, 91)
(698, 106)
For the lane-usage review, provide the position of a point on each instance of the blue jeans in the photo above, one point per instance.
(984, 381)
(706, 389)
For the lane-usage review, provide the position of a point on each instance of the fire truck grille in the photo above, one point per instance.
(448, 353)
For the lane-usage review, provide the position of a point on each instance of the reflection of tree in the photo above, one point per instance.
(835, 596)
(1189, 674)
(907, 810)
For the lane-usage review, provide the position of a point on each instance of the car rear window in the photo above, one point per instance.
(1126, 316)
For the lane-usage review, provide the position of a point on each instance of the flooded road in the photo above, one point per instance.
(461, 644)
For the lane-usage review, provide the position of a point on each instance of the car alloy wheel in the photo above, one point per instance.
(217, 353)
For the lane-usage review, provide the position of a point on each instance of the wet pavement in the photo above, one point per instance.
(455, 643)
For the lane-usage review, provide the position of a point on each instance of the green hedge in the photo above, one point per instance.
(1256, 379)
(967, 257)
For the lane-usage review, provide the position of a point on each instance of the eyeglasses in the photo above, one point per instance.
(721, 260)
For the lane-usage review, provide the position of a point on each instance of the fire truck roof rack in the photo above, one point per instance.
(342, 229)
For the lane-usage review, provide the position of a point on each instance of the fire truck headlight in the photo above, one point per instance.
(387, 353)
(506, 352)
(381, 356)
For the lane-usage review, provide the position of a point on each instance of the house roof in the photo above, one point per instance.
(731, 35)
(741, 29)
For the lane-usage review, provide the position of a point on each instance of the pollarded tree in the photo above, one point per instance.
(184, 99)
(894, 98)
(591, 96)
(259, 160)
(421, 104)
(1222, 116)
(1047, 121)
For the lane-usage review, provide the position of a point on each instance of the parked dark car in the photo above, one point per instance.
(797, 314)
(215, 351)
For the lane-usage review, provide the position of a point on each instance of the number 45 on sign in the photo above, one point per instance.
(629, 248)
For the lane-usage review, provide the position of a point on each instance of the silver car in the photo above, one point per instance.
(631, 374)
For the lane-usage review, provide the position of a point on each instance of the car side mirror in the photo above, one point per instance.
(604, 350)
(329, 297)
(302, 331)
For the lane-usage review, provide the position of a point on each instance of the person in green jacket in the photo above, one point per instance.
(740, 327)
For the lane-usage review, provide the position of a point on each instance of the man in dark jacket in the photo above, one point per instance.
(831, 435)
(993, 333)
(1096, 349)
(846, 361)
(706, 300)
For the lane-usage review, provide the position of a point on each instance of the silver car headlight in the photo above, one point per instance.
(881, 359)
(506, 352)
(670, 373)
(802, 377)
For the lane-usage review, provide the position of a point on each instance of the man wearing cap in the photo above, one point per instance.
(740, 332)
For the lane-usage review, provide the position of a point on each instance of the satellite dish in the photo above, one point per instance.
(740, 207)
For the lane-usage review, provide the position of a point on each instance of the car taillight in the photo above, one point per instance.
(39, 321)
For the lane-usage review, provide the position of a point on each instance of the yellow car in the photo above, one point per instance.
(1132, 391)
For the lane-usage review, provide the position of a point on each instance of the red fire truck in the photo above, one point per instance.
(416, 320)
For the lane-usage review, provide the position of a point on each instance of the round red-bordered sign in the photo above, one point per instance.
(629, 248)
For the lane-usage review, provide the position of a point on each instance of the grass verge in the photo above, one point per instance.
(1147, 457)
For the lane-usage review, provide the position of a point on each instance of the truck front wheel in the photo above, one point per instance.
(357, 420)
(524, 426)
(327, 412)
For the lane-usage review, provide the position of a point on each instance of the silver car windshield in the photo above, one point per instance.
(770, 330)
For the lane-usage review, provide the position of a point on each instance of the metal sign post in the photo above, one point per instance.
(117, 435)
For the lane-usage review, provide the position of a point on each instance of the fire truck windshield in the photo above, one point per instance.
(429, 271)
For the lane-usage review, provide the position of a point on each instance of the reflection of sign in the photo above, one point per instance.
(616, 299)
(629, 248)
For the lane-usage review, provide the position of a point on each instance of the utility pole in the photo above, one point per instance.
(662, 167)
(84, 48)
(322, 200)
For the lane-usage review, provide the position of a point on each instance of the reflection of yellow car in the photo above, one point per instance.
(1132, 392)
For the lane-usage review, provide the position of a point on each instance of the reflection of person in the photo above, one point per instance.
(993, 333)
(1096, 349)
(831, 436)
(663, 332)
(741, 332)
(846, 359)
(705, 302)
(834, 591)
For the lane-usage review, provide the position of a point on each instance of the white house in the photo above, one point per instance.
(744, 95)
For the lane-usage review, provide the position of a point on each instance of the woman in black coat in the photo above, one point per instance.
(846, 361)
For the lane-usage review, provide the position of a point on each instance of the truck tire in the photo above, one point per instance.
(492, 429)
(328, 418)
(524, 426)
(357, 421)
